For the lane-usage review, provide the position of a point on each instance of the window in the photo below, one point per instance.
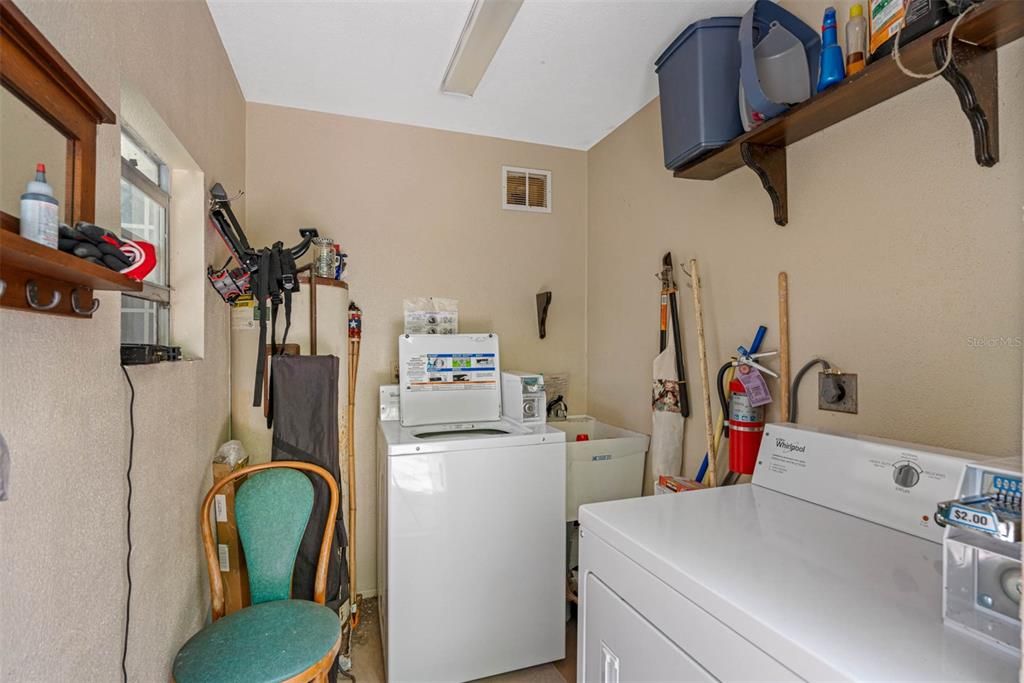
(145, 208)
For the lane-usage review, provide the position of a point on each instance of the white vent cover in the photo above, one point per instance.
(525, 189)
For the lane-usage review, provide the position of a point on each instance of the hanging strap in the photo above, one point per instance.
(262, 292)
(290, 285)
(283, 282)
(274, 279)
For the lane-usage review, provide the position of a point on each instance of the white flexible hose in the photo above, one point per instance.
(949, 50)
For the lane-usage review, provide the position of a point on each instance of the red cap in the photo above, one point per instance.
(40, 168)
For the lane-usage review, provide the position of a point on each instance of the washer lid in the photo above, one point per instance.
(463, 436)
(830, 596)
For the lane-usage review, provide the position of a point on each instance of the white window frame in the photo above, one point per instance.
(160, 194)
(505, 170)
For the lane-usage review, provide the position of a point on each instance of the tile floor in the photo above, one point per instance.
(368, 658)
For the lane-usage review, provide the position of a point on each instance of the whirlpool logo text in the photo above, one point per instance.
(790, 446)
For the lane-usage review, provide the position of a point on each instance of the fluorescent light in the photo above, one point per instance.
(485, 28)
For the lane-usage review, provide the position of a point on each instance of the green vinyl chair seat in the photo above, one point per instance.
(264, 643)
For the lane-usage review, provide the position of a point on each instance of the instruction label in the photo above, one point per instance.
(220, 506)
(451, 371)
(223, 557)
(244, 314)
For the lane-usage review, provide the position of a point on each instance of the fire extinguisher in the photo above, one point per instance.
(746, 427)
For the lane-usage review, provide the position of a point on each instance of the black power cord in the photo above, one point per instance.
(128, 559)
(796, 384)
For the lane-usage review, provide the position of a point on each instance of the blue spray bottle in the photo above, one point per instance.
(832, 70)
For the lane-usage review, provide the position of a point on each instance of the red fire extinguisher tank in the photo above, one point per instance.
(746, 427)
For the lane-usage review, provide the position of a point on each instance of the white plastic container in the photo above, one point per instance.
(609, 465)
(39, 211)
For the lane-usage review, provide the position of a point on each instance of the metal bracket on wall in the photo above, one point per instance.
(543, 302)
(769, 163)
(974, 75)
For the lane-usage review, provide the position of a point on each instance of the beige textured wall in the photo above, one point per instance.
(27, 140)
(903, 255)
(419, 211)
(64, 402)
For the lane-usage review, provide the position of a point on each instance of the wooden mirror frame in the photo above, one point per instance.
(34, 71)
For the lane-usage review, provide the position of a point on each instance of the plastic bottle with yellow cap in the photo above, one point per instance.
(856, 40)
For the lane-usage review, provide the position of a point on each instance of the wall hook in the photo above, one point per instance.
(32, 291)
(543, 302)
(77, 307)
(215, 202)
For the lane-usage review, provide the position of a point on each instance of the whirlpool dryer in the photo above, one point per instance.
(827, 567)
(471, 533)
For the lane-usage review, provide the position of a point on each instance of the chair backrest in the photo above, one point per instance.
(272, 510)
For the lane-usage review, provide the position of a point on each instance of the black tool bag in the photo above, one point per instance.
(305, 404)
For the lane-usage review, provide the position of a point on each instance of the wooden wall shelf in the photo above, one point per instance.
(973, 74)
(34, 277)
(67, 278)
(323, 281)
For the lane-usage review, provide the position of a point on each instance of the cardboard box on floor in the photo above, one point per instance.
(229, 547)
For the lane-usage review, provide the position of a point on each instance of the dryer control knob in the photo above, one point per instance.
(906, 475)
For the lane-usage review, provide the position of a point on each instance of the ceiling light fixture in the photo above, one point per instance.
(488, 22)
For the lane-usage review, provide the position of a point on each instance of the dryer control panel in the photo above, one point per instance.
(892, 483)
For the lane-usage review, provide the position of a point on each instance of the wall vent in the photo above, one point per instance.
(526, 189)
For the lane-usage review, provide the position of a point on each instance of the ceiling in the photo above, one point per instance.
(568, 72)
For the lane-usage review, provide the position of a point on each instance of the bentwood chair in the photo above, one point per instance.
(277, 639)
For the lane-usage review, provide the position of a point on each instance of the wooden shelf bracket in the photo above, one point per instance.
(973, 74)
(769, 163)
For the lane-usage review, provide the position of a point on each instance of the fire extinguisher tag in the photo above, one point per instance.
(755, 386)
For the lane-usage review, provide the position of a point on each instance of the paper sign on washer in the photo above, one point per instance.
(451, 371)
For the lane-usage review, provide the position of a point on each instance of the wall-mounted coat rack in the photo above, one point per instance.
(34, 277)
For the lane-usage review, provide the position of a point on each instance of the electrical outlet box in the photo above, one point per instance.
(837, 392)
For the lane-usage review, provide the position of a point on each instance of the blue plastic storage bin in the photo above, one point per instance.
(698, 78)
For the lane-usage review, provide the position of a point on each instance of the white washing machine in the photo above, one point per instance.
(471, 548)
(471, 534)
(827, 567)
